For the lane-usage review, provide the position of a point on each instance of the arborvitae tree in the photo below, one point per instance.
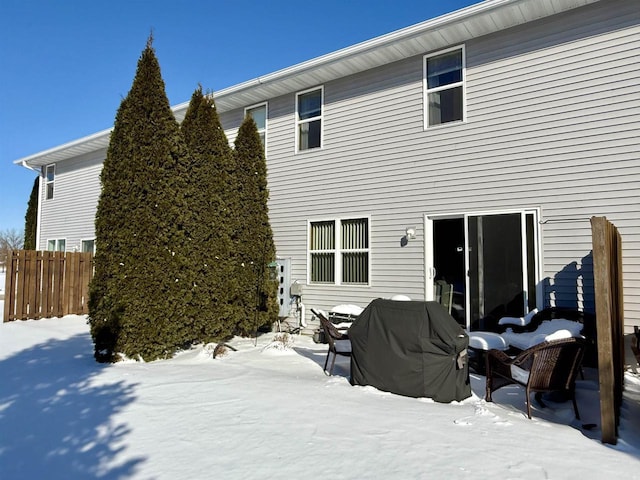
(142, 285)
(210, 246)
(31, 218)
(254, 245)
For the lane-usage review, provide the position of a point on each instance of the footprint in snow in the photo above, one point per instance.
(481, 411)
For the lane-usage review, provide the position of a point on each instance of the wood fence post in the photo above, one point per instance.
(607, 273)
(58, 284)
(10, 288)
(87, 275)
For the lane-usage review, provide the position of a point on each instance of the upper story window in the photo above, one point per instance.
(50, 173)
(444, 75)
(259, 115)
(339, 251)
(309, 119)
(57, 245)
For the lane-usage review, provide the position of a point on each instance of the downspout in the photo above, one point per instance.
(303, 322)
(39, 216)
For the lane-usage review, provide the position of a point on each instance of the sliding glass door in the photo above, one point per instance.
(496, 274)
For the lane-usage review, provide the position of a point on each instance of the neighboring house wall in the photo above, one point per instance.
(552, 123)
(70, 214)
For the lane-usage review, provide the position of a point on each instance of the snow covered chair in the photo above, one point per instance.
(343, 315)
(339, 343)
(548, 330)
(552, 323)
(518, 323)
(546, 367)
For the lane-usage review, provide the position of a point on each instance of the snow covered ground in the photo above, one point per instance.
(261, 412)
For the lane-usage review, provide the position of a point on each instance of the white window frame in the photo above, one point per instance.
(426, 90)
(261, 131)
(82, 242)
(309, 120)
(338, 250)
(48, 182)
(56, 244)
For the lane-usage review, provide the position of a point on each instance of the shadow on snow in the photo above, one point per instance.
(55, 422)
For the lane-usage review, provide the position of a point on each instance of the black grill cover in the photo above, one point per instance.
(410, 348)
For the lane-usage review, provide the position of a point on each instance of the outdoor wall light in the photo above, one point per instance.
(410, 233)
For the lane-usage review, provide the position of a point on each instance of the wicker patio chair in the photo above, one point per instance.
(587, 319)
(339, 343)
(546, 367)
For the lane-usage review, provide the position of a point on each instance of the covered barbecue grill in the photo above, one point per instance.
(411, 348)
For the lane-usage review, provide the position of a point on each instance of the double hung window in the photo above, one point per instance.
(444, 76)
(339, 251)
(259, 115)
(50, 173)
(309, 106)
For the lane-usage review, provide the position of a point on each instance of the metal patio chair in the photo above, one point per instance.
(339, 343)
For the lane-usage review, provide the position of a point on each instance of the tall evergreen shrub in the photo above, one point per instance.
(254, 245)
(142, 284)
(209, 198)
(31, 217)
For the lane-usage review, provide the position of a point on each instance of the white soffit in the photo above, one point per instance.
(82, 146)
(477, 20)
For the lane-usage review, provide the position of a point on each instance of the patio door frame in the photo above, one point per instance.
(430, 271)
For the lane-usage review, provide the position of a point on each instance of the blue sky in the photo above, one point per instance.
(65, 65)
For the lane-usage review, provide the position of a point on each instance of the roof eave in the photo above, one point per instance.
(81, 146)
(456, 27)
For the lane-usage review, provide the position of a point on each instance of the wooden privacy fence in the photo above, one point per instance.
(607, 276)
(47, 284)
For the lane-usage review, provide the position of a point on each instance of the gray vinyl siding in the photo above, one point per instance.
(552, 123)
(70, 214)
(552, 111)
